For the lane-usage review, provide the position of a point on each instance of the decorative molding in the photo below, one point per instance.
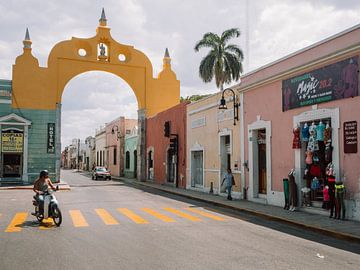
(6, 120)
(200, 122)
(5, 101)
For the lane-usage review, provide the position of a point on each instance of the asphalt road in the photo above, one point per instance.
(109, 225)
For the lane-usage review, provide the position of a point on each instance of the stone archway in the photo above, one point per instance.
(37, 91)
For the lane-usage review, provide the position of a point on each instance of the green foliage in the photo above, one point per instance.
(223, 61)
(193, 98)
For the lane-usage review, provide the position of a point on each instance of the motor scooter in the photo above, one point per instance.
(49, 208)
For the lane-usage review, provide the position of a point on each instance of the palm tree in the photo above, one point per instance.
(223, 60)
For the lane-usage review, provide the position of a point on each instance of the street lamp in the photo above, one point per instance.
(118, 137)
(223, 106)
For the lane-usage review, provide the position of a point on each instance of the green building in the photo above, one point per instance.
(28, 140)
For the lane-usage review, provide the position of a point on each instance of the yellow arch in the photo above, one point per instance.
(36, 87)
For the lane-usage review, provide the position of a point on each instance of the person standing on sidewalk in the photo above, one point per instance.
(229, 178)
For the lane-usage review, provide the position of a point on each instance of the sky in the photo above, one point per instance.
(275, 28)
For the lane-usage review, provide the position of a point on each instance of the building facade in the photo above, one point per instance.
(131, 157)
(163, 164)
(89, 154)
(213, 145)
(302, 113)
(100, 147)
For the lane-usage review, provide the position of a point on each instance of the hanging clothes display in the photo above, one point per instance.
(313, 143)
(305, 133)
(296, 139)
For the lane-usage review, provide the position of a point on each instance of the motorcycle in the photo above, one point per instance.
(49, 208)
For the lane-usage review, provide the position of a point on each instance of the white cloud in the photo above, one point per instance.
(277, 28)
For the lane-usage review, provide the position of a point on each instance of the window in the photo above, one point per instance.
(114, 153)
(127, 160)
(97, 158)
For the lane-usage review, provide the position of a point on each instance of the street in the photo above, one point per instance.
(110, 225)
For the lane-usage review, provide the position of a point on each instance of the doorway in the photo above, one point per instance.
(262, 174)
(12, 165)
(197, 169)
(225, 155)
(150, 165)
(135, 164)
(170, 166)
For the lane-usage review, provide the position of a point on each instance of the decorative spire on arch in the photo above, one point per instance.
(167, 59)
(103, 20)
(27, 41)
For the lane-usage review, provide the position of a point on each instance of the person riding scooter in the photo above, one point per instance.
(42, 185)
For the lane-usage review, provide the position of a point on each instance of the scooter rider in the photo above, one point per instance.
(42, 185)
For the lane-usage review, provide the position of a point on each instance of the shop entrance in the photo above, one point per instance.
(225, 155)
(12, 165)
(262, 161)
(170, 166)
(197, 169)
(135, 164)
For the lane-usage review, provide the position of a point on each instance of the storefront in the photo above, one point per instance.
(301, 117)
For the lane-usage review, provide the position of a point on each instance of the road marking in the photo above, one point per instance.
(106, 217)
(47, 224)
(205, 214)
(132, 216)
(158, 215)
(182, 214)
(15, 225)
(78, 219)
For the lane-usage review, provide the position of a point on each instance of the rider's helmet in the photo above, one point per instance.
(44, 173)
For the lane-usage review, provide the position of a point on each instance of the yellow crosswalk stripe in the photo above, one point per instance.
(78, 219)
(106, 217)
(205, 214)
(182, 214)
(15, 225)
(158, 215)
(132, 216)
(47, 224)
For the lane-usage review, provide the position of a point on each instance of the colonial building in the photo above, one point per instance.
(213, 145)
(131, 142)
(100, 147)
(166, 153)
(301, 113)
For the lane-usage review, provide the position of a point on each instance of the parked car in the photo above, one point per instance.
(101, 172)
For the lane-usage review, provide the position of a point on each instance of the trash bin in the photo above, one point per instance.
(286, 193)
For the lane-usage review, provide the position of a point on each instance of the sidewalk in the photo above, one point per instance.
(62, 186)
(349, 230)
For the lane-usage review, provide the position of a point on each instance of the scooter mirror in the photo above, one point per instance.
(57, 187)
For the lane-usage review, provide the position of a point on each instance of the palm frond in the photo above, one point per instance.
(234, 49)
(206, 68)
(228, 34)
(209, 40)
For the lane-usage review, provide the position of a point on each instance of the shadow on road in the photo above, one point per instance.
(283, 227)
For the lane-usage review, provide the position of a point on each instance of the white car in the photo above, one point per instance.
(101, 172)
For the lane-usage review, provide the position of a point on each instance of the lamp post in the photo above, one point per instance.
(118, 137)
(223, 106)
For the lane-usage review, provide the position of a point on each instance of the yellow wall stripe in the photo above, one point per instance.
(182, 214)
(106, 217)
(205, 214)
(132, 216)
(158, 215)
(15, 225)
(78, 219)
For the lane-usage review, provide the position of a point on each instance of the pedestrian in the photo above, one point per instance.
(229, 181)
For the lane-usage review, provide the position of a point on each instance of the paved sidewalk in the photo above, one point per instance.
(349, 230)
(62, 186)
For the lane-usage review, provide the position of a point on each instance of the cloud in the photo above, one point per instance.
(276, 28)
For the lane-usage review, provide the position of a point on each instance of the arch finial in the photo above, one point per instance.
(103, 19)
(27, 41)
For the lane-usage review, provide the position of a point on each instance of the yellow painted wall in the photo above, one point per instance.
(37, 87)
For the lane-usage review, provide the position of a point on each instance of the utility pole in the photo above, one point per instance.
(78, 155)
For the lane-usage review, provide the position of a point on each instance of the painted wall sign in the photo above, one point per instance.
(332, 82)
(51, 138)
(350, 137)
(12, 142)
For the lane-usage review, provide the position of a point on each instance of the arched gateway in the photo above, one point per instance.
(35, 107)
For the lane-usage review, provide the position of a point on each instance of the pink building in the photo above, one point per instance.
(115, 143)
(318, 85)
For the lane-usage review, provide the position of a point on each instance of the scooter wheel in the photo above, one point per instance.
(57, 216)
(40, 218)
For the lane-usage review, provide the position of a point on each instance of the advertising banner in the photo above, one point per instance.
(12, 142)
(51, 138)
(332, 82)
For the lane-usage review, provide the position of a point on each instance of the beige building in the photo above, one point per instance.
(213, 145)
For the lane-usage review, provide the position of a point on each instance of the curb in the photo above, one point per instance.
(336, 234)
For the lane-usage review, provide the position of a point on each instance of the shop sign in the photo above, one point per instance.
(51, 138)
(332, 82)
(12, 142)
(350, 137)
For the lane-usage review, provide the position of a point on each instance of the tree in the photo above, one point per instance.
(224, 61)
(193, 98)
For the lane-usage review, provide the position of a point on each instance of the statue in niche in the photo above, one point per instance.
(102, 50)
